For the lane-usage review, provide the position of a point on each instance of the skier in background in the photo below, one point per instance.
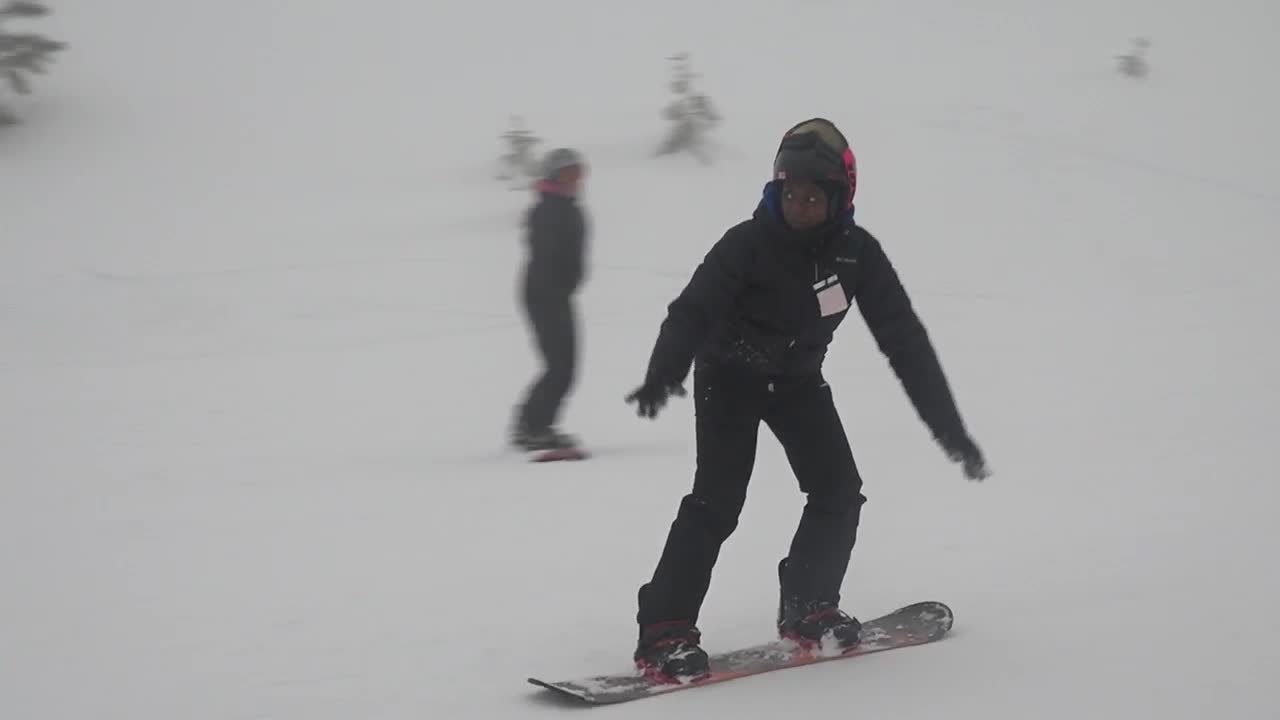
(555, 238)
(757, 316)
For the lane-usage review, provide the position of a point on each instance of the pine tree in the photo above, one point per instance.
(22, 54)
(518, 165)
(691, 112)
(1134, 64)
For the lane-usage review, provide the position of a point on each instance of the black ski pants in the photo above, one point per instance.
(730, 404)
(554, 325)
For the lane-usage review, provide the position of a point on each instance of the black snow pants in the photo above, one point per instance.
(730, 404)
(554, 325)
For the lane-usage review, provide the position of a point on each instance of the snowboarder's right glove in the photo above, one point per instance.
(652, 396)
(962, 449)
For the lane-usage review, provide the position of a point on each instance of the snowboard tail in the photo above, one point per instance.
(916, 624)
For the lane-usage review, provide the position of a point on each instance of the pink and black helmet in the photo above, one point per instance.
(816, 150)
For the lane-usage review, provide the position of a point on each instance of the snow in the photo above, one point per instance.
(259, 344)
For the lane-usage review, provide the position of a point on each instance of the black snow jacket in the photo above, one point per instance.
(753, 302)
(555, 237)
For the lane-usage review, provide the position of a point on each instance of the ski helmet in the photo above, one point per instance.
(816, 150)
(559, 159)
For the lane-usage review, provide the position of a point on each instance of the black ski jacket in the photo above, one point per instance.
(555, 237)
(753, 302)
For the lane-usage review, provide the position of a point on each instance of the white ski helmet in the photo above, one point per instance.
(559, 159)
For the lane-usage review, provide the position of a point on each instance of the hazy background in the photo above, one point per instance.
(259, 343)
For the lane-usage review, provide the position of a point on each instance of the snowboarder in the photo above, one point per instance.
(555, 236)
(754, 322)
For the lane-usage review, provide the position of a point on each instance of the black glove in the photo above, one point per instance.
(652, 396)
(962, 449)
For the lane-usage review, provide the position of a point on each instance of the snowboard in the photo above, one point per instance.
(915, 624)
(557, 454)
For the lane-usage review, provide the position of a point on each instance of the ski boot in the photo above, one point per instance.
(819, 626)
(669, 652)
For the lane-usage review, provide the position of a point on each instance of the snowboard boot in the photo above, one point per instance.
(815, 624)
(670, 652)
(518, 432)
(549, 439)
(532, 440)
(518, 437)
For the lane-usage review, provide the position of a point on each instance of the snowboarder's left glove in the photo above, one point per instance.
(652, 396)
(962, 449)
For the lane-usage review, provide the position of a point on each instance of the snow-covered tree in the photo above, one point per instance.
(1134, 64)
(22, 54)
(690, 112)
(518, 165)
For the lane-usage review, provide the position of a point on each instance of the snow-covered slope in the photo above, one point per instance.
(259, 345)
